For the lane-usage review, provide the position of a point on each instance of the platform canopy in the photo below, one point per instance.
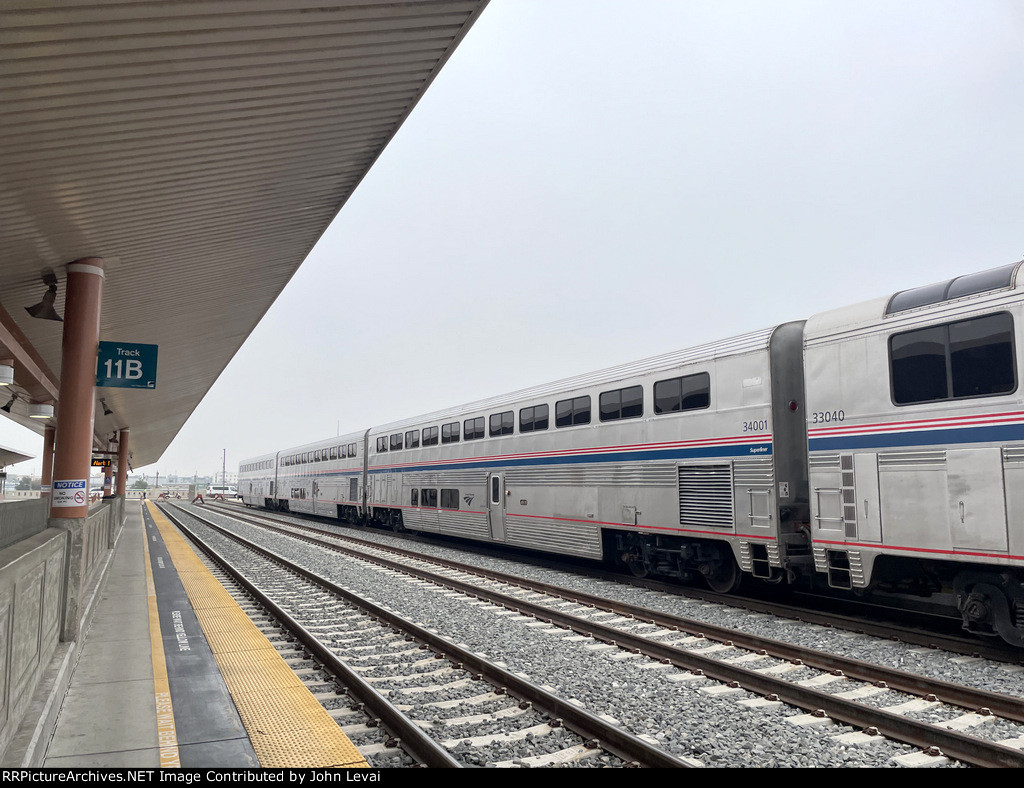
(12, 457)
(200, 148)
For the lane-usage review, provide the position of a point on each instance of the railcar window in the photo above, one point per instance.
(691, 392)
(627, 403)
(969, 358)
(352, 450)
(450, 432)
(396, 441)
(474, 428)
(430, 436)
(382, 444)
(449, 499)
(415, 497)
(569, 412)
(412, 439)
(502, 423)
(533, 419)
(428, 498)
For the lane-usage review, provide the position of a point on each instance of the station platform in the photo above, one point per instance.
(170, 673)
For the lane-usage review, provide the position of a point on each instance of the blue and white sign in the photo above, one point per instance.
(69, 493)
(126, 365)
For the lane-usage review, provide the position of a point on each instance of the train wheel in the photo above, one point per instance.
(726, 577)
(639, 568)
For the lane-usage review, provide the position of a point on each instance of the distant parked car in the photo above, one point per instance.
(221, 489)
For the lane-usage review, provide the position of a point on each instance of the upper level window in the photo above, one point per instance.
(533, 419)
(352, 451)
(572, 411)
(334, 452)
(450, 432)
(474, 428)
(430, 436)
(969, 358)
(382, 443)
(502, 423)
(412, 439)
(627, 403)
(691, 392)
(396, 441)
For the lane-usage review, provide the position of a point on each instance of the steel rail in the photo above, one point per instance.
(958, 746)
(891, 630)
(1006, 706)
(411, 737)
(589, 726)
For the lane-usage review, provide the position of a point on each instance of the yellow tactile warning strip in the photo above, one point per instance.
(167, 734)
(287, 726)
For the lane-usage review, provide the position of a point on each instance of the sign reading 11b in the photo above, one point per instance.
(125, 365)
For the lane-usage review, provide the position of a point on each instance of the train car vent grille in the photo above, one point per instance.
(705, 496)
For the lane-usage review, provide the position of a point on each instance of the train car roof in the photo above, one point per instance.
(906, 307)
(326, 443)
(734, 346)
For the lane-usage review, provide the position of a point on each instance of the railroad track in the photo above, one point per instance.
(875, 699)
(377, 658)
(920, 629)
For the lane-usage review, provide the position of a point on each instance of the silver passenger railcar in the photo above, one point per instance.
(671, 464)
(916, 445)
(874, 448)
(323, 478)
(256, 478)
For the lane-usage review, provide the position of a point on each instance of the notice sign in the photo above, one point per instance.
(126, 365)
(72, 493)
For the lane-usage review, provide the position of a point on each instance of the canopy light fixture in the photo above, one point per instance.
(106, 411)
(6, 372)
(10, 403)
(40, 410)
(44, 309)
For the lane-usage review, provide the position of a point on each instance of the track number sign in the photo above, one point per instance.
(125, 365)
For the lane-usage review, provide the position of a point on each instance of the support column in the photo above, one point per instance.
(122, 483)
(69, 499)
(122, 462)
(49, 435)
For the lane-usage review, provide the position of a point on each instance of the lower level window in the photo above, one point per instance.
(449, 499)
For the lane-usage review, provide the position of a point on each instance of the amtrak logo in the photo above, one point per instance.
(468, 499)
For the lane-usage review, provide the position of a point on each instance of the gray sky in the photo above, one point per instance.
(591, 182)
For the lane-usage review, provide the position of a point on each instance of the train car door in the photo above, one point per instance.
(496, 505)
(977, 503)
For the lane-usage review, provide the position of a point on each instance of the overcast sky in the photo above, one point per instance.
(591, 182)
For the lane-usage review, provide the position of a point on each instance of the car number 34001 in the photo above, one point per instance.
(827, 416)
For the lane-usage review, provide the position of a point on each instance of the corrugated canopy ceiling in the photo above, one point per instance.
(201, 149)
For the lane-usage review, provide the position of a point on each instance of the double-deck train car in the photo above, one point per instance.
(873, 447)
(668, 463)
(916, 445)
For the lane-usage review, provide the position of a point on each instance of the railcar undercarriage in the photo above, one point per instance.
(990, 602)
(684, 559)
